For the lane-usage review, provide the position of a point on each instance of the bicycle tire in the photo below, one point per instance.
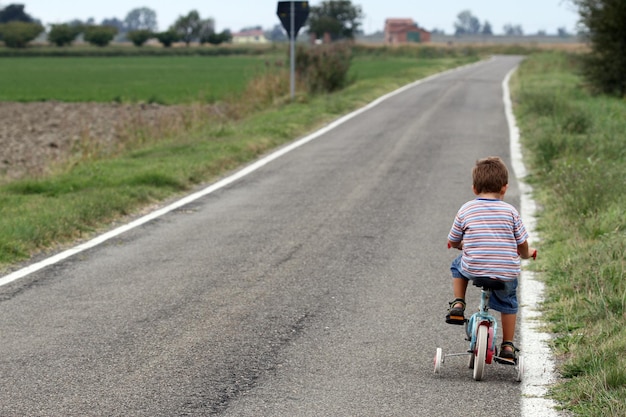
(481, 352)
(438, 360)
(520, 369)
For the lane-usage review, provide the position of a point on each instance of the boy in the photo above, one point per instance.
(492, 237)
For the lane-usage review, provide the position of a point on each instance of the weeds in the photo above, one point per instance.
(324, 68)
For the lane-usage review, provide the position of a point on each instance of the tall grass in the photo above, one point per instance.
(577, 151)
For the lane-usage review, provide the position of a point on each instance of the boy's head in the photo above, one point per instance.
(490, 175)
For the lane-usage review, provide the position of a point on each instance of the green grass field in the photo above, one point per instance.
(165, 80)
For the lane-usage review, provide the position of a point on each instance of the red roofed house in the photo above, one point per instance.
(403, 31)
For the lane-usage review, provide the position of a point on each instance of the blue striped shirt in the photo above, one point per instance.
(490, 230)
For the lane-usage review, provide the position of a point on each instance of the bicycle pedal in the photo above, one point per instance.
(504, 361)
(459, 320)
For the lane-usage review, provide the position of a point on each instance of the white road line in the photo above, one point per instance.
(539, 367)
(21, 273)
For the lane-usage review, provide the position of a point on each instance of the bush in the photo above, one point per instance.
(324, 68)
(605, 66)
(139, 37)
(167, 38)
(64, 34)
(216, 38)
(17, 34)
(100, 35)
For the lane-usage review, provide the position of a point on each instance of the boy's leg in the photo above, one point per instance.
(459, 287)
(507, 349)
(508, 326)
(456, 312)
(505, 301)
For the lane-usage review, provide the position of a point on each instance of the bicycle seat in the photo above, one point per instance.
(488, 283)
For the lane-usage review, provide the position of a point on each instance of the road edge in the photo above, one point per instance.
(539, 367)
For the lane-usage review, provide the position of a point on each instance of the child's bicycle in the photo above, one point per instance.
(481, 329)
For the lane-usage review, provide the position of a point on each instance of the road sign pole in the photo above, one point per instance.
(293, 51)
(292, 15)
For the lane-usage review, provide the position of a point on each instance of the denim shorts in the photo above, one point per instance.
(504, 300)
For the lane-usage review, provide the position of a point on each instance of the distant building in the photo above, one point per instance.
(404, 30)
(250, 36)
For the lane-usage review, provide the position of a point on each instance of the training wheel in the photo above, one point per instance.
(519, 368)
(438, 360)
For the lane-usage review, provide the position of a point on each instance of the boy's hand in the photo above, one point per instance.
(456, 245)
(532, 253)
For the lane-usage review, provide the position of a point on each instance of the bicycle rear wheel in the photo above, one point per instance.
(481, 352)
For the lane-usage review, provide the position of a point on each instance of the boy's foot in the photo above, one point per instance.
(456, 312)
(508, 354)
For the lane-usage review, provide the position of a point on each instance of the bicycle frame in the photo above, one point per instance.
(482, 316)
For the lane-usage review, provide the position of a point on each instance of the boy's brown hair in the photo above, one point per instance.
(490, 175)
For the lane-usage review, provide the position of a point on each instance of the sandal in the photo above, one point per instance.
(456, 315)
(507, 356)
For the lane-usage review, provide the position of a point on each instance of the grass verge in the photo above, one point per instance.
(81, 199)
(577, 150)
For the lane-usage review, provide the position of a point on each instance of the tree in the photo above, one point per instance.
(188, 27)
(142, 18)
(139, 37)
(513, 30)
(487, 29)
(467, 24)
(15, 13)
(340, 19)
(206, 31)
(116, 23)
(63, 34)
(17, 34)
(167, 38)
(100, 35)
(218, 38)
(603, 26)
(562, 32)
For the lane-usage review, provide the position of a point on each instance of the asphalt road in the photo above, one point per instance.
(315, 286)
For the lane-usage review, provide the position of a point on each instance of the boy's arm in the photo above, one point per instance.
(526, 251)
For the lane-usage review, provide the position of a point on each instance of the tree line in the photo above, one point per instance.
(18, 28)
(468, 24)
(341, 19)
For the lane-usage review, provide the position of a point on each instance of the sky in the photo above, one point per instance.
(532, 15)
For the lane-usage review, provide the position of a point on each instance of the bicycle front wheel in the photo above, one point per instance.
(481, 352)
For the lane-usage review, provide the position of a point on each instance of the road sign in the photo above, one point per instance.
(300, 10)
